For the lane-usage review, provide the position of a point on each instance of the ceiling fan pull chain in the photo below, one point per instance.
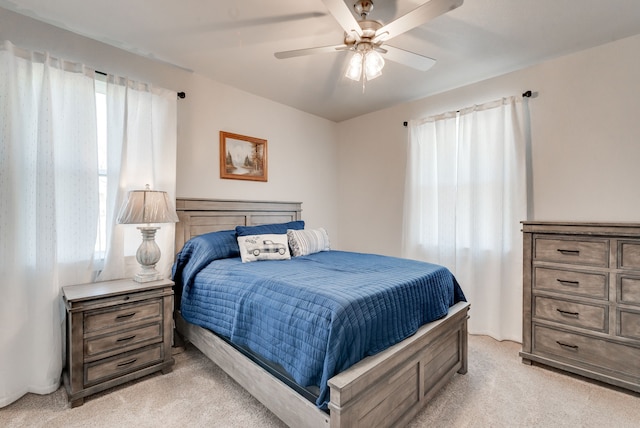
(364, 77)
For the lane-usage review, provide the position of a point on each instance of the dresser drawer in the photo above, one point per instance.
(122, 340)
(572, 251)
(629, 290)
(122, 315)
(580, 350)
(629, 254)
(629, 322)
(582, 315)
(594, 285)
(121, 364)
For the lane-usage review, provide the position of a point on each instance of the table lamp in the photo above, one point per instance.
(146, 207)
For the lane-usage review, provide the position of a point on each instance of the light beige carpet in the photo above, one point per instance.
(498, 391)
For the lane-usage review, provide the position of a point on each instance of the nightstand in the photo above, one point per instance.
(117, 331)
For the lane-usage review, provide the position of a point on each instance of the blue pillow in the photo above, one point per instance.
(275, 228)
(201, 250)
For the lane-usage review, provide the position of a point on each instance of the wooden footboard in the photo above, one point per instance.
(387, 389)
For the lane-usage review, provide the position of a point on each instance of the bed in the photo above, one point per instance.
(384, 389)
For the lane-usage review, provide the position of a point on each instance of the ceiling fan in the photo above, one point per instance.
(367, 38)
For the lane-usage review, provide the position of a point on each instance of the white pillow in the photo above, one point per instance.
(263, 247)
(308, 241)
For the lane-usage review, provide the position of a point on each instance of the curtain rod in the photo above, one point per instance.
(526, 94)
(181, 95)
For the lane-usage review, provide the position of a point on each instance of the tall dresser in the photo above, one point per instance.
(581, 307)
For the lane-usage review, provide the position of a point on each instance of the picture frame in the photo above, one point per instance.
(242, 157)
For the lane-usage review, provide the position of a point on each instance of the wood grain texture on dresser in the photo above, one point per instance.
(581, 294)
(117, 331)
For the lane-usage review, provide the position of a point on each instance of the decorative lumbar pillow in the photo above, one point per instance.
(309, 241)
(276, 228)
(264, 247)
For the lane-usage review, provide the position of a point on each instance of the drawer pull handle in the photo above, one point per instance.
(127, 363)
(569, 252)
(572, 314)
(123, 317)
(125, 339)
(566, 345)
(568, 283)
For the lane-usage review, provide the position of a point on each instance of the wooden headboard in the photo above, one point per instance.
(199, 216)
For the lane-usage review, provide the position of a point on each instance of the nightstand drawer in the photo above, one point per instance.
(581, 349)
(122, 315)
(587, 316)
(572, 251)
(121, 364)
(122, 340)
(595, 285)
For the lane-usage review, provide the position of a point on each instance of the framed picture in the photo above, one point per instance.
(242, 157)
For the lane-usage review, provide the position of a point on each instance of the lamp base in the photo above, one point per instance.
(147, 277)
(148, 255)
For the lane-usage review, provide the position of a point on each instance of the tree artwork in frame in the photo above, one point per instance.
(242, 157)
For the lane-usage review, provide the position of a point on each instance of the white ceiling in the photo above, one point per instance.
(233, 42)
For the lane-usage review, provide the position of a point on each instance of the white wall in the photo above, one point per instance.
(585, 137)
(301, 151)
(301, 147)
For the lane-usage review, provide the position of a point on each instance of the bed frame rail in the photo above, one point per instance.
(293, 409)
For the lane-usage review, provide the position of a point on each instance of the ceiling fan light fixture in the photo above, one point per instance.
(354, 71)
(373, 64)
(367, 65)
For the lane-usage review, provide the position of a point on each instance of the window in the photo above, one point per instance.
(465, 197)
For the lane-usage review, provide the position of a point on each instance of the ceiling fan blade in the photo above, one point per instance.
(343, 15)
(311, 51)
(410, 59)
(415, 18)
(266, 20)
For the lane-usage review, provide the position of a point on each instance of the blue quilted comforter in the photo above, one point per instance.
(314, 315)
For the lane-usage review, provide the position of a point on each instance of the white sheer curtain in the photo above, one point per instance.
(465, 194)
(141, 142)
(48, 210)
(49, 199)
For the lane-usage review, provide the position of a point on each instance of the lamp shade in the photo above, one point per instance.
(355, 67)
(373, 64)
(147, 206)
